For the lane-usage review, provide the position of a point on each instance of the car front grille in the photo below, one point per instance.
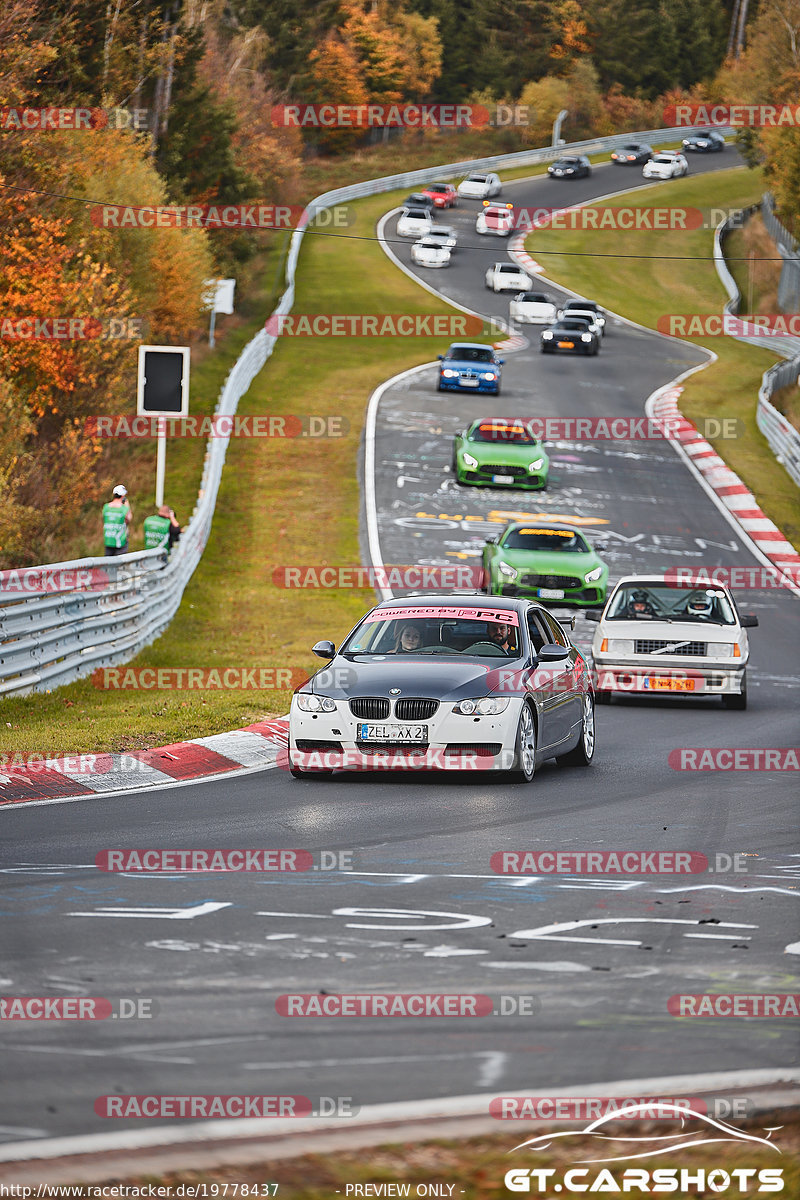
(370, 708)
(312, 744)
(482, 749)
(407, 748)
(551, 581)
(649, 645)
(412, 709)
(501, 469)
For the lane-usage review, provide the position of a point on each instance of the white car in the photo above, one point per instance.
(507, 277)
(414, 222)
(660, 636)
(428, 252)
(666, 166)
(480, 186)
(532, 308)
(589, 315)
(445, 235)
(584, 308)
(497, 219)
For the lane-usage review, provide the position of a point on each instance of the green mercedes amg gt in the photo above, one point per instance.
(547, 561)
(498, 452)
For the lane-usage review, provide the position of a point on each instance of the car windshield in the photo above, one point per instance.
(470, 354)
(476, 179)
(534, 298)
(429, 244)
(580, 305)
(515, 432)
(556, 541)
(427, 630)
(417, 214)
(441, 231)
(436, 187)
(565, 162)
(575, 324)
(707, 606)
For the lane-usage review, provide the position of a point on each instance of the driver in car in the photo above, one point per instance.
(639, 605)
(503, 636)
(699, 606)
(410, 639)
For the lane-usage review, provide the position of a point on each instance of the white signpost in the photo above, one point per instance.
(162, 391)
(219, 297)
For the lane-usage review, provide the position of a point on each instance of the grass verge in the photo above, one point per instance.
(287, 502)
(645, 289)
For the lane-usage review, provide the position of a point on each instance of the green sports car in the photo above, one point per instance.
(544, 560)
(497, 452)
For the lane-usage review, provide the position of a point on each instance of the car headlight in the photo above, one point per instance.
(720, 649)
(536, 465)
(547, 335)
(448, 374)
(620, 646)
(586, 337)
(591, 576)
(309, 702)
(489, 375)
(488, 707)
(469, 460)
(509, 571)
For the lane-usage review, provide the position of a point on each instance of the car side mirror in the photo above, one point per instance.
(440, 357)
(501, 361)
(749, 621)
(552, 653)
(325, 650)
(592, 614)
(492, 541)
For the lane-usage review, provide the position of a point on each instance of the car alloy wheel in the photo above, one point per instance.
(525, 747)
(583, 753)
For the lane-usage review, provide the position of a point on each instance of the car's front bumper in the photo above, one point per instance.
(455, 385)
(654, 676)
(331, 741)
(587, 596)
(533, 481)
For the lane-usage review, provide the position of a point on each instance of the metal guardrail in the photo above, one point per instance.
(783, 438)
(47, 640)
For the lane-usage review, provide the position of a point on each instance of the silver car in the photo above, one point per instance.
(659, 636)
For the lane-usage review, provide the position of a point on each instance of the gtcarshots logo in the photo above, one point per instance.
(698, 1128)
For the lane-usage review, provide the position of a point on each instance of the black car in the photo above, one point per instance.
(632, 153)
(705, 141)
(574, 167)
(573, 334)
(419, 200)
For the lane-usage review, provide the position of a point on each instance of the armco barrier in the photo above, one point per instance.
(783, 438)
(51, 639)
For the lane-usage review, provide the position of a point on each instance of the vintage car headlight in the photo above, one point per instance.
(309, 702)
(536, 465)
(547, 335)
(509, 571)
(469, 460)
(591, 576)
(586, 337)
(448, 374)
(720, 649)
(620, 646)
(488, 707)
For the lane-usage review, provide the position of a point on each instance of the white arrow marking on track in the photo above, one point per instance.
(167, 914)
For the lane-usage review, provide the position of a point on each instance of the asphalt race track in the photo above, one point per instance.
(421, 909)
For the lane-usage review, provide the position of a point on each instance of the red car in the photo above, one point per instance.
(443, 195)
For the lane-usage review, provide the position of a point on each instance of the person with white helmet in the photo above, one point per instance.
(700, 605)
(117, 516)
